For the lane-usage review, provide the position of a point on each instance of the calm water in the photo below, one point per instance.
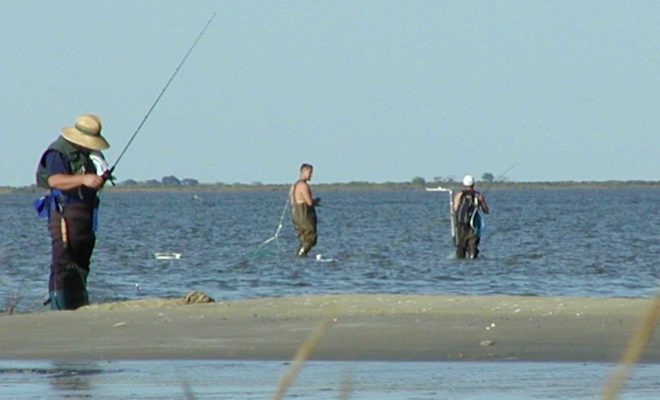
(601, 243)
(317, 380)
(563, 243)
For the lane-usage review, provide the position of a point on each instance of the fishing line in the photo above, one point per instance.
(244, 258)
(498, 178)
(452, 214)
(279, 227)
(162, 92)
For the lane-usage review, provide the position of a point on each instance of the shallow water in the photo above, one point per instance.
(245, 380)
(600, 243)
(538, 242)
(562, 243)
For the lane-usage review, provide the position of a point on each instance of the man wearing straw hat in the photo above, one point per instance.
(73, 169)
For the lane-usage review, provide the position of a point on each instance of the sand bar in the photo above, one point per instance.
(364, 327)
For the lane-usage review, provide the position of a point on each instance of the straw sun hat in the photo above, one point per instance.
(86, 132)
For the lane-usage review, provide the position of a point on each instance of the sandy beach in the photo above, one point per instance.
(363, 327)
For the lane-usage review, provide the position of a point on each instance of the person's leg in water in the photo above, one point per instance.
(473, 245)
(461, 241)
(304, 221)
(307, 239)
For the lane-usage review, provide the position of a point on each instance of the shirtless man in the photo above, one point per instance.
(303, 214)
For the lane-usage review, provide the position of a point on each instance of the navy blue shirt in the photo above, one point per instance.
(57, 164)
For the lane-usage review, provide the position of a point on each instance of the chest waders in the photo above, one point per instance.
(72, 244)
(468, 225)
(304, 221)
(73, 239)
(70, 223)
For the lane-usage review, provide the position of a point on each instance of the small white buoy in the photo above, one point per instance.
(167, 256)
(320, 258)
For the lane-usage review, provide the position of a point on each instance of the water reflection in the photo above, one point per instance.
(73, 380)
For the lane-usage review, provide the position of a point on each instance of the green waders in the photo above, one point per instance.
(467, 243)
(304, 221)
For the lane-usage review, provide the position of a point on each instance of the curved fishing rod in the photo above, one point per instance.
(498, 178)
(452, 214)
(162, 92)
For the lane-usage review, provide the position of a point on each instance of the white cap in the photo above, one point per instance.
(468, 180)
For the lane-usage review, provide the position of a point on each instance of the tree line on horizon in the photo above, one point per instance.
(416, 183)
(172, 180)
(486, 177)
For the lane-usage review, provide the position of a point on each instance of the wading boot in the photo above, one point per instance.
(68, 299)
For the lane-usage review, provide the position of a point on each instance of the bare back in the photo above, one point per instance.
(301, 193)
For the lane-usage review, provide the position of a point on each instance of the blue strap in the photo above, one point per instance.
(95, 219)
(46, 204)
(55, 200)
(41, 206)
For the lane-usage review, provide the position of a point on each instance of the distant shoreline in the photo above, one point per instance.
(356, 186)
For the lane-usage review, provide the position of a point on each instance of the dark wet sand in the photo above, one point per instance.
(364, 327)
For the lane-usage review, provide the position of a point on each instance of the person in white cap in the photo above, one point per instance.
(467, 204)
(73, 170)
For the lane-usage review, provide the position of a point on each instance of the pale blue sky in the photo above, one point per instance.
(364, 90)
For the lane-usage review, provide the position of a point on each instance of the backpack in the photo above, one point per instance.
(467, 208)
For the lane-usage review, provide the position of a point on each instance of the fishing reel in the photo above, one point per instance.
(102, 168)
(107, 176)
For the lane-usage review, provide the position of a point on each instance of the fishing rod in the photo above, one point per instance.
(450, 192)
(108, 173)
(498, 178)
(452, 215)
